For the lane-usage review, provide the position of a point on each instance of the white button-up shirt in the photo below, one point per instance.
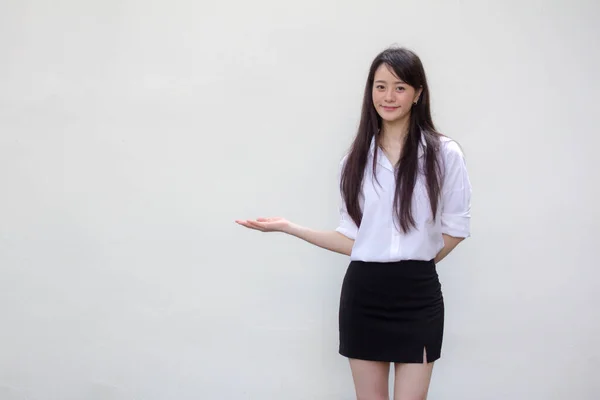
(379, 237)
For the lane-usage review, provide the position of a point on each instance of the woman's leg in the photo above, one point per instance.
(411, 381)
(371, 379)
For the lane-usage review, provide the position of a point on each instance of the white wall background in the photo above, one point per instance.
(133, 133)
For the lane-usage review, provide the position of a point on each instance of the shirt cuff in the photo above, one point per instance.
(349, 233)
(456, 225)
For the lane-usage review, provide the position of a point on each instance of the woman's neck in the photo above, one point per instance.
(394, 133)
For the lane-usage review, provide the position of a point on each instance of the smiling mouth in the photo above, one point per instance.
(388, 108)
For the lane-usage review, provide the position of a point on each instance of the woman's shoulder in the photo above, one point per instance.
(343, 160)
(450, 148)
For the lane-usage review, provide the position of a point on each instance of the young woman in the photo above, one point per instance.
(405, 204)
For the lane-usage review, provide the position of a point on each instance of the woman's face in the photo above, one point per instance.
(392, 98)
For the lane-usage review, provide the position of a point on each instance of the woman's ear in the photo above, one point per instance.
(418, 94)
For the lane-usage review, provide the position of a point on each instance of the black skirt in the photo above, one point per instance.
(391, 312)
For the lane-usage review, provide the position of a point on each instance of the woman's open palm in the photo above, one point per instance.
(274, 224)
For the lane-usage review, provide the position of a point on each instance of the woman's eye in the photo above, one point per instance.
(400, 89)
(380, 87)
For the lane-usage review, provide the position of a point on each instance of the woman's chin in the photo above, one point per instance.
(391, 118)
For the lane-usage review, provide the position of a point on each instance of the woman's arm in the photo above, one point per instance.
(329, 240)
(456, 199)
(450, 242)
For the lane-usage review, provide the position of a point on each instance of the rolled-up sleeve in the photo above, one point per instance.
(456, 193)
(346, 226)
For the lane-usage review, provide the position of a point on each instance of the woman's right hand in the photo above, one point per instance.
(274, 224)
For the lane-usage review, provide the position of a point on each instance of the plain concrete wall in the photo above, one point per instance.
(133, 133)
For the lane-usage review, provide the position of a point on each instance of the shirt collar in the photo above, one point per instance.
(383, 160)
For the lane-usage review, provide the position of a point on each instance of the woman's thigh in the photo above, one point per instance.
(371, 379)
(411, 381)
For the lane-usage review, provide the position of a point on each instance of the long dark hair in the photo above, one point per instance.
(408, 67)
